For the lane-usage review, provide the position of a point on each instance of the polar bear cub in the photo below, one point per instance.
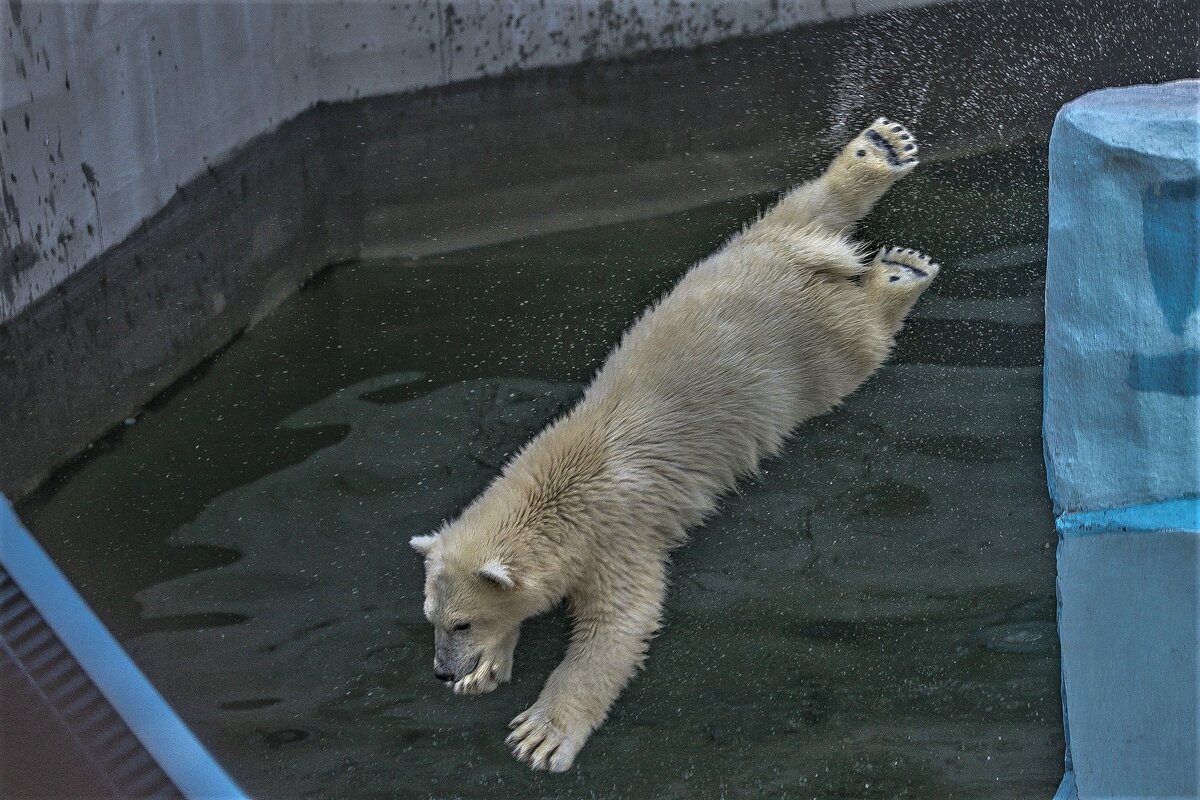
(779, 325)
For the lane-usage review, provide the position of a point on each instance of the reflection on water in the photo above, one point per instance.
(874, 617)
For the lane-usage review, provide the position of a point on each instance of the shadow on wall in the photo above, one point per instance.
(1171, 235)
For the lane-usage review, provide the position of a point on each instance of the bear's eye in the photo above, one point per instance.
(462, 626)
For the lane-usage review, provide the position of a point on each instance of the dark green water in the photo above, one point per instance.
(873, 618)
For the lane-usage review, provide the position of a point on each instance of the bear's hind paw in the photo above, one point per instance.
(885, 143)
(894, 281)
(905, 265)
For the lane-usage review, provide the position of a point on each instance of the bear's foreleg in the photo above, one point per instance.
(614, 620)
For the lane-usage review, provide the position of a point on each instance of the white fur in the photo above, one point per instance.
(498, 574)
(423, 544)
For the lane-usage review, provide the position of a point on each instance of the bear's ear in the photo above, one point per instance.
(423, 544)
(497, 573)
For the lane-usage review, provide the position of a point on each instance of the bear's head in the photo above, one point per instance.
(510, 555)
(477, 594)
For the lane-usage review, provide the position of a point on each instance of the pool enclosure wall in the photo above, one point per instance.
(110, 731)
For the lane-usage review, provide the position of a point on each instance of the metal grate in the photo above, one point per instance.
(31, 654)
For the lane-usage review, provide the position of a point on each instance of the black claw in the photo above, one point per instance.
(909, 147)
(897, 128)
(906, 136)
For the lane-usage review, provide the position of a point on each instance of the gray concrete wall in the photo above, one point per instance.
(108, 108)
(224, 222)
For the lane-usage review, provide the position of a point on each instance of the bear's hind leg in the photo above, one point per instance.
(859, 175)
(894, 281)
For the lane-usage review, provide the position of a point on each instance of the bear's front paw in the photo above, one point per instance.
(544, 740)
(490, 673)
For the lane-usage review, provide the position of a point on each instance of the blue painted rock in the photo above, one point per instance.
(1122, 427)
(1123, 291)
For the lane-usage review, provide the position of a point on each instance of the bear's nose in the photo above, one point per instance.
(441, 675)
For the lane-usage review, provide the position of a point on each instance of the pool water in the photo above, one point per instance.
(873, 617)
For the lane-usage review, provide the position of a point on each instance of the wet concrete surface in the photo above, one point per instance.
(871, 618)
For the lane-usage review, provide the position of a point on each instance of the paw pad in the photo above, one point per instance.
(904, 264)
(891, 142)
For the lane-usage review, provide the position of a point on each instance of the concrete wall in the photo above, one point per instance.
(108, 108)
(421, 172)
